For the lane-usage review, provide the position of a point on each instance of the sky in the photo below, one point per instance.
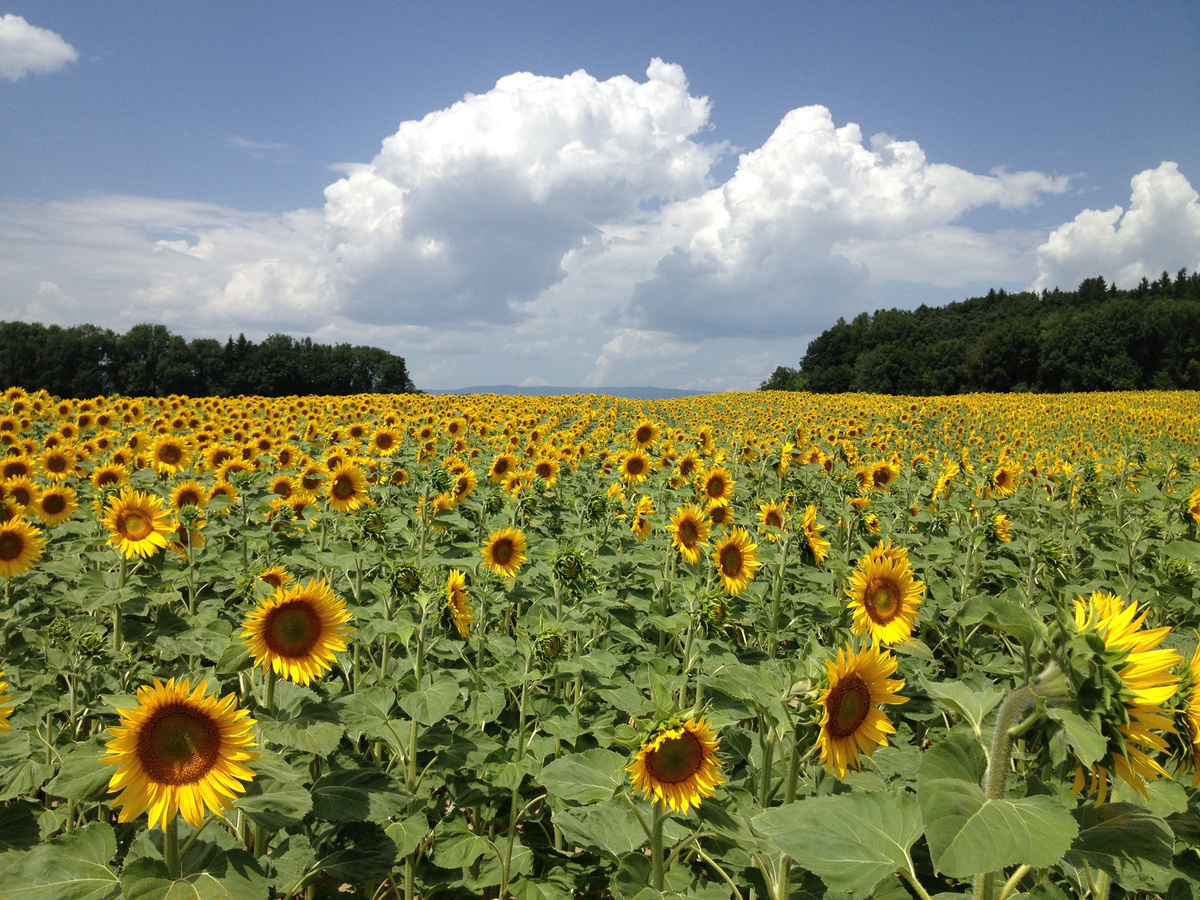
(591, 194)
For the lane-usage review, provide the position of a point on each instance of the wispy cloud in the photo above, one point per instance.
(259, 149)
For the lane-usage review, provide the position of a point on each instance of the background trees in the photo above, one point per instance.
(1096, 338)
(86, 361)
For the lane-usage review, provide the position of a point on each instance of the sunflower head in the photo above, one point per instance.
(21, 545)
(677, 765)
(6, 709)
(1121, 681)
(884, 595)
(458, 603)
(689, 531)
(504, 551)
(179, 752)
(137, 523)
(850, 719)
(297, 631)
(736, 559)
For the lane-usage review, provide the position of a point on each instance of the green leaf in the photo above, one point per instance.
(586, 777)
(357, 795)
(275, 806)
(369, 712)
(1003, 615)
(431, 704)
(852, 841)
(408, 833)
(72, 867)
(18, 826)
(959, 699)
(968, 833)
(1129, 842)
(455, 845)
(1084, 740)
(610, 828)
(364, 852)
(313, 728)
(82, 776)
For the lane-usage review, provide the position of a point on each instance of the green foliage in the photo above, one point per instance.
(1097, 338)
(149, 361)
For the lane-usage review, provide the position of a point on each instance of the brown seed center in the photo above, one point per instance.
(178, 745)
(847, 704)
(677, 759)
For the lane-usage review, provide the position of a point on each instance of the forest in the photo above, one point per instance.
(1095, 338)
(149, 361)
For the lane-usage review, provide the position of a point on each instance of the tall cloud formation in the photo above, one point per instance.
(1159, 232)
(570, 230)
(26, 48)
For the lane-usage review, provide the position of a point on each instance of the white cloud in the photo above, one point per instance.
(259, 149)
(26, 48)
(470, 211)
(1159, 232)
(568, 231)
(805, 220)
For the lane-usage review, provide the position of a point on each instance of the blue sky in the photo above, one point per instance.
(678, 194)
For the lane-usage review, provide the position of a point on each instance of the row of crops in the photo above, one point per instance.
(734, 646)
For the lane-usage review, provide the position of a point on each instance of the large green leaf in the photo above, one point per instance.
(18, 827)
(408, 833)
(610, 828)
(852, 841)
(432, 703)
(968, 833)
(275, 806)
(73, 867)
(962, 701)
(82, 776)
(587, 777)
(1080, 735)
(357, 795)
(312, 727)
(1129, 842)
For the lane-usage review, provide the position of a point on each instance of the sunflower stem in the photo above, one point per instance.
(269, 690)
(657, 869)
(171, 848)
(1000, 761)
(777, 594)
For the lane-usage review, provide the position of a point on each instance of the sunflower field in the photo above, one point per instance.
(767, 645)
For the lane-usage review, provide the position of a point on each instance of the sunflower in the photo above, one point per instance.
(283, 485)
(54, 505)
(1133, 729)
(546, 468)
(21, 545)
(169, 454)
(645, 435)
(1193, 507)
(770, 518)
(717, 484)
(136, 522)
(501, 467)
(16, 467)
(677, 766)
(22, 490)
(736, 559)
(275, 576)
(1191, 718)
(1004, 481)
(884, 596)
(110, 475)
(297, 631)
(641, 522)
(179, 751)
(851, 720)
(6, 711)
(719, 512)
(635, 466)
(812, 535)
(188, 493)
(58, 463)
(999, 528)
(347, 487)
(504, 551)
(458, 603)
(689, 531)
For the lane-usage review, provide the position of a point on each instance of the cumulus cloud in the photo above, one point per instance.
(471, 210)
(1159, 232)
(803, 220)
(26, 48)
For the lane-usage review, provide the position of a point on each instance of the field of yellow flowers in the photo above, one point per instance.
(768, 645)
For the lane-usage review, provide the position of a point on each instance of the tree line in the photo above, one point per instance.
(1095, 338)
(149, 361)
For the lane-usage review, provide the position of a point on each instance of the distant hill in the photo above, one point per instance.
(1096, 338)
(631, 393)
